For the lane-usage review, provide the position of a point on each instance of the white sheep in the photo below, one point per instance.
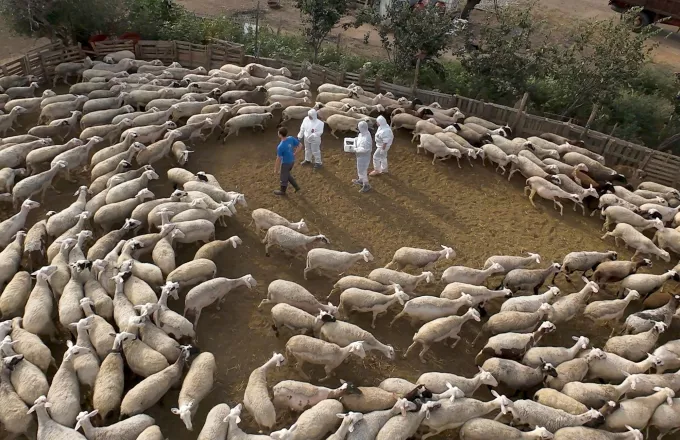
(635, 239)
(368, 301)
(440, 329)
(407, 281)
(256, 396)
(196, 386)
(281, 291)
(290, 240)
(14, 224)
(314, 351)
(211, 291)
(547, 190)
(334, 262)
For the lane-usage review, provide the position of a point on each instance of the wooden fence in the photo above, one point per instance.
(660, 167)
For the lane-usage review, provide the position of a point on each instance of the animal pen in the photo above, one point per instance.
(659, 167)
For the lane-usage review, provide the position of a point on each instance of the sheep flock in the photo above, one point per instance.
(95, 279)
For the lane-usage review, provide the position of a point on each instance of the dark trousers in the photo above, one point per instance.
(286, 176)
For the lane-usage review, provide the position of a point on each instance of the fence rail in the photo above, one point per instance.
(660, 167)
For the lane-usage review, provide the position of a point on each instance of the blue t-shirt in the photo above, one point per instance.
(286, 148)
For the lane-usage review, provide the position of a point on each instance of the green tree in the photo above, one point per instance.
(408, 33)
(320, 17)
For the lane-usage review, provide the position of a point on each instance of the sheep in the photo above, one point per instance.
(281, 291)
(554, 355)
(596, 170)
(633, 238)
(646, 319)
(547, 190)
(12, 225)
(519, 322)
(614, 368)
(284, 315)
(343, 123)
(529, 169)
(462, 274)
(197, 384)
(613, 271)
(567, 184)
(150, 390)
(498, 156)
(214, 426)
(528, 412)
(479, 294)
(453, 414)
(307, 349)
(7, 121)
(44, 154)
(368, 301)
(10, 258)
(289, 101)
(104, 117)
(344, 333)
(65, 389)
(15, 295)
(76, 157)
(257, 96)
(646, 284)
(584, 261)
(438, 148)
(529, 280)
(211, 250)
(635, 347)
(440, 329)
(211, 291)
(667, 238)
(403, 428)
(264, 219)
(128, 189)
(529, 304)
(9, 175)
(24, 106)
(408, 282)
(107, 132)
(419, 258)
(233, 125)
(668, 355)
(37, 317)
(452, 143)
(482, 429)
(330, 261)
(511, 262)
(14, 414)
(610, 311)
(193, 272)
(112, 214)
(59, 110)
(289, 240)
(513, 345)
(127, 429)
(637, 412)
(256, 397)
(619, 214)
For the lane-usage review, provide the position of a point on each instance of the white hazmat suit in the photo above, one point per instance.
(362, 149)
(383, 142)
(310, 133)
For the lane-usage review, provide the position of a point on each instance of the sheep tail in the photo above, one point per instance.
(266, 237)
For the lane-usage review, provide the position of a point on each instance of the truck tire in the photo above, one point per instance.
(642, 19)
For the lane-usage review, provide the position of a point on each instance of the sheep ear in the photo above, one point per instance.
(340, 416)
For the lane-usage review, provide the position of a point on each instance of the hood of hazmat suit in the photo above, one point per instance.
(311, 128)
(384, 135)
(364, 143)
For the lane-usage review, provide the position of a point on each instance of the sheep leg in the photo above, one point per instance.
(457, 340)
(421, 355)
(513, 170)
(298, 367)
(408, 350)
(470, 160)
(527, 190)
(329, 373)
(375, 315)
(434, 158)
(263, 302)
(198, 315)
(334, 135)
(531, 197)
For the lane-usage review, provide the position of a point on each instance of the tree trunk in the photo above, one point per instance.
(469, 6)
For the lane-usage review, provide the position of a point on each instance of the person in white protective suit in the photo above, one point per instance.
(310, 133)
(383, 142)
(362, 148)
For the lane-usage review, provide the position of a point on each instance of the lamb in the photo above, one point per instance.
(530, 304)
(441, 329)
(528, 412)
(419, 258)
(307, 349)
(635, 347)
(511, 262)
(451, 415)
(635, 239)
(529, 280)
(330, 261)
(519, 322)
(438, 148)
(613, 271)
(369, 301)
(547, 190)
(289, 240)
(211, 291)
(482, 429)
(7, 121)
(619, 214)
(513, 345)
(462, 274)
(150, 390)
(128, 429)
(498, 156)
(638, 412)
(196, 386)
(298, 396)
(408, 282)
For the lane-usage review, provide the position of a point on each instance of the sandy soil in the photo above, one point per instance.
(12, 45)
(472, 209)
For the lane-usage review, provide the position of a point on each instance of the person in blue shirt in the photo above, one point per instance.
(285, 159)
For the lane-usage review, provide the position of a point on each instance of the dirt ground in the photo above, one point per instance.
(474, 210)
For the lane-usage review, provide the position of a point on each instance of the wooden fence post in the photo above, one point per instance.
(520, 113)
(415, 78)
(591, 118)
(645, 161)
(341, 78)
(378, 84)
(175, 55)
(208, 55)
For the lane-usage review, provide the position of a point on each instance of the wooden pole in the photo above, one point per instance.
(520, 111)
(257, 32)
(415, 77)
(591, 118)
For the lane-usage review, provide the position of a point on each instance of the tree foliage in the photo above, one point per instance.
(407, 33)
(319, 18)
